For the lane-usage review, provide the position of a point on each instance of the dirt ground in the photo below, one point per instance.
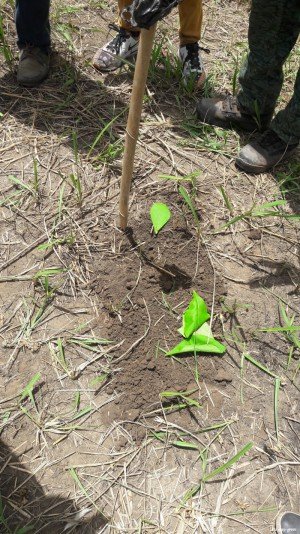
(87, 441)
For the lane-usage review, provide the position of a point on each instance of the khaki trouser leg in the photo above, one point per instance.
(121, 22)
(190, 15)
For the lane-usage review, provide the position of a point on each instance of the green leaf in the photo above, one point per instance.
(205, 330)
(198, 343)
(80, 414)
(74, 475)
(160, 215)
(194, 316)
(99, 379)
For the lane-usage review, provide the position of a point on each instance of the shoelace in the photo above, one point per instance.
(230, 104)
(32, 51)
(193, 55)
(119, 39)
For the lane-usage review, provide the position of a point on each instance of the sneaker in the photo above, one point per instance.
(265, 153)
(33, 66)
(122, 47)
(288, 523)
(227, 113)
(192, 65)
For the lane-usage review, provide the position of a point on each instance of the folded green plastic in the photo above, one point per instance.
(198, 343)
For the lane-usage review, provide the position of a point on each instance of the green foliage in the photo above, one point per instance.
(182, 396)
(268, 209)
(28, 390)
(189, 202)
(196, 331)
(160, 215)
(198, 343)
(209, 476)
(68, 240)
(76, 183)
(277, 385)
(194, 316)
(4, 45)
(75, 477)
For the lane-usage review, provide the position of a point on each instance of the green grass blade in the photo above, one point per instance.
(74, 475)
(21, 184)
(185, 445)
(277, 385)
(186, 197)
(27, 391)
(280, 329)
(230, 462)
(104, 130)
(259, 365)
(226, 200)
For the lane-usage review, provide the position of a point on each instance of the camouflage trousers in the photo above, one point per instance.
(273, 31)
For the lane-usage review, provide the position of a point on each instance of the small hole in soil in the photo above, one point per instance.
(180, 279)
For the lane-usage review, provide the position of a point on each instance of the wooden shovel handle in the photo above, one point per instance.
(134, 119)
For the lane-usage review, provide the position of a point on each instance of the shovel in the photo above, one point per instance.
(144, 14)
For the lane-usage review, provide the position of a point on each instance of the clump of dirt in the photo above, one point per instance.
(143, 290)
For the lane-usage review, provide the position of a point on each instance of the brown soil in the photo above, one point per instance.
(144, 290)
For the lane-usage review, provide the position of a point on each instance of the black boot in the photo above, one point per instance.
(264, 153)
(227, 113)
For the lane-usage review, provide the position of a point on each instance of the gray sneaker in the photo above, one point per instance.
(123, 47)
(192, 65)
(33, 66)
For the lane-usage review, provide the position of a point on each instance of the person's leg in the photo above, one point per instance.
(273, 31)
(32, 23)
(283, 135)
(123, 47)
(122, 22)
(287, 122)
(278, 142)
(33, 29)
(190, 16)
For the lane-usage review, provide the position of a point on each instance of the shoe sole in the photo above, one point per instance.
(32, 83)
(251, 169)
(113, 69)
(201, 82)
